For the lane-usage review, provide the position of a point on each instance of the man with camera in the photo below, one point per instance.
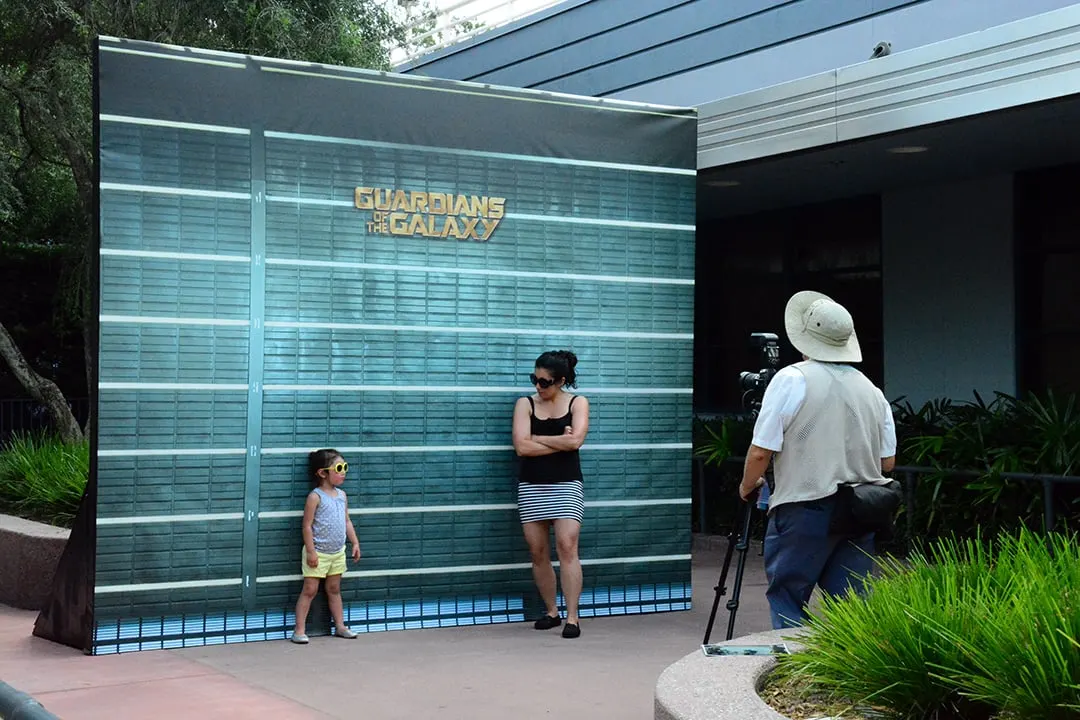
(830, 434)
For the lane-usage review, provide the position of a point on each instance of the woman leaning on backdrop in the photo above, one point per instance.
(549, 427)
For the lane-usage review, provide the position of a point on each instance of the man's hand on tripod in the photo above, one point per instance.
(757, 462)
(748, 495)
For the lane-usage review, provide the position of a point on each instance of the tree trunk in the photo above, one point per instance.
(41, 389)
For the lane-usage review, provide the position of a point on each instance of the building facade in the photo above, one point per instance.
(910, 157)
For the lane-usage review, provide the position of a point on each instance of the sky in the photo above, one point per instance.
(489, 12)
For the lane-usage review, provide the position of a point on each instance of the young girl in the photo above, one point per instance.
(326, 523)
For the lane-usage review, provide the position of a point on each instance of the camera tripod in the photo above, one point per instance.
(738, 540)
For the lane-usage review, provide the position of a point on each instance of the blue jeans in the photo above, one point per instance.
(800, 553)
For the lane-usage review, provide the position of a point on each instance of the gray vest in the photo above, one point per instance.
(834, 438)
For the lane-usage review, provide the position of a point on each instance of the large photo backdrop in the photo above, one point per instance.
(297, 256)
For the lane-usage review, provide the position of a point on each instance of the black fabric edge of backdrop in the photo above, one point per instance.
(68, 615)
(388, 107)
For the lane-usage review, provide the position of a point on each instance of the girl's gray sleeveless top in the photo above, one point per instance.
(328, 527)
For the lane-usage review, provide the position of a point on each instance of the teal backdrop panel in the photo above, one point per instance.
(295, 256)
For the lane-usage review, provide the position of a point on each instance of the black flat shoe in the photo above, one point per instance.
(546, 622)
(571, 630)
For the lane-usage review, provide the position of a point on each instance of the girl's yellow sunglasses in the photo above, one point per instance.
(341, 467)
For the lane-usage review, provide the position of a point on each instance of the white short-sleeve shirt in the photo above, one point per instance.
(783, 398)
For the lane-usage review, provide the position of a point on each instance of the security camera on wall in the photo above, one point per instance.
(881, 50)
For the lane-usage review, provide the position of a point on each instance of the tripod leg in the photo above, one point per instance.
(742, 547)
(721, 585)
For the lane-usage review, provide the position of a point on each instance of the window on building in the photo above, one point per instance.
(1048, 278)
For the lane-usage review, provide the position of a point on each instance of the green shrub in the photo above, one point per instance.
(42, 478)
(968, 630)
(1025, 651)
(1034, 434)
(1038, 433)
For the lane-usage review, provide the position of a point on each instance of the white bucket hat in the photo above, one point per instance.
(821, 328)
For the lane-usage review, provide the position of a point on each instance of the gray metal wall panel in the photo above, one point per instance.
(906, 28)
(569, 22)
(607, 46)
(1029, 60)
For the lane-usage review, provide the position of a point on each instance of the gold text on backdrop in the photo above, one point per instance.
(430, 214)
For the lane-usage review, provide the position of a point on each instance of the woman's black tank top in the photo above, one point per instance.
(561, 466)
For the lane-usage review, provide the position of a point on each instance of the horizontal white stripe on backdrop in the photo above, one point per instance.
(384, 267)
(166, 519)
(400, 510)
(455, 569)
(496, 272)
(471, 389)
(177, 387)
(461, 569)
(470, 448)
(155, 320)
(293, 324)
(418, 509)
(164, 190)
(627, 334)
(485, 389)
(372, 450)
(162, 255)
(175, 585)
(174, 124)
(166, 452)
(178, 58)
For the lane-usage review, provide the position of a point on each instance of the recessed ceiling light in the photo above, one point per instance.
(722, 183)
(908, 149)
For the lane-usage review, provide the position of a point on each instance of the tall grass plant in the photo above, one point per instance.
(965, 630)
(43, 478)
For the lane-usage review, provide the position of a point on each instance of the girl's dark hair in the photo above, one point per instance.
(320, 460)
(560, 363)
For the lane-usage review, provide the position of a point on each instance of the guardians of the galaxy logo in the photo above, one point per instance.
(431, 214)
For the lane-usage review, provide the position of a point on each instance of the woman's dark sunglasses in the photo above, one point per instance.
(543, 383)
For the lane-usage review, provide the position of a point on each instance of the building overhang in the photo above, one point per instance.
(1028, 61)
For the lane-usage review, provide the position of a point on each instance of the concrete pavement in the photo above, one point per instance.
(482, 672)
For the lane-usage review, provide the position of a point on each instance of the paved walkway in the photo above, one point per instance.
(499, 671)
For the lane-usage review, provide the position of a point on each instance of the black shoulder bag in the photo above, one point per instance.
(866, 507)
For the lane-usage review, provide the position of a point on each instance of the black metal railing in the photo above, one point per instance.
(25, 415)
(910, 474)
(909, 477)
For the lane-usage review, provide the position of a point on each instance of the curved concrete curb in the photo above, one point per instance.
(719, 688)
(29, 553)
(16, 705)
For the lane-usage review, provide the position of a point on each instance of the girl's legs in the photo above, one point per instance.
(566, 545)
(536, 535)
(333, 599)
(303, 604)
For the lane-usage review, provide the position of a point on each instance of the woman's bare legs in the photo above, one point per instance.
(536, 535)
(566, 545)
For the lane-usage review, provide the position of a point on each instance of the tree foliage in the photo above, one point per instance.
(427, 29)
(46, 150)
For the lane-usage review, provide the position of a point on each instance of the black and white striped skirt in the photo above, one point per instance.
(551, 502)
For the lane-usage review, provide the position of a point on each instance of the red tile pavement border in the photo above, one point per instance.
(207, 696)
(153, 684)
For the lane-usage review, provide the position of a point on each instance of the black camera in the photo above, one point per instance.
(753, 384)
